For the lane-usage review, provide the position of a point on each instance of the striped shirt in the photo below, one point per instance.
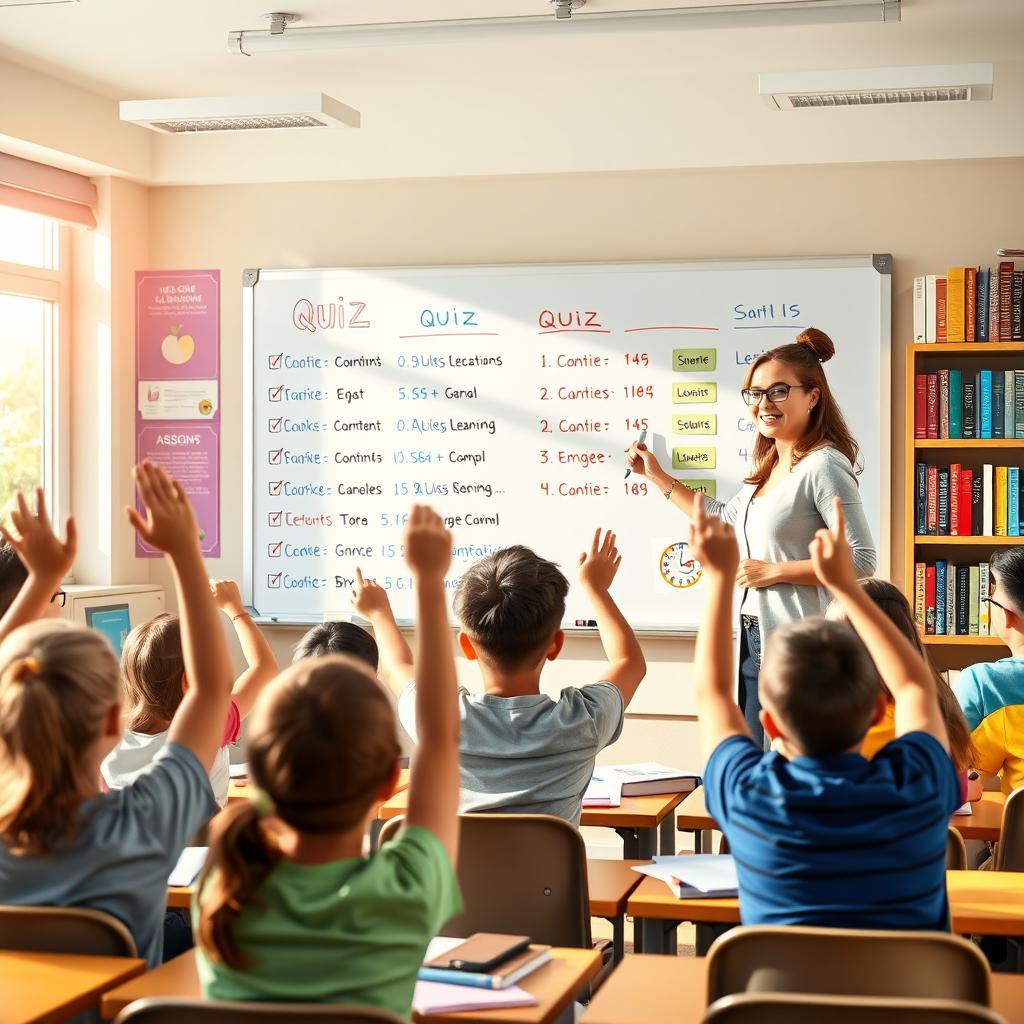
(837, 841)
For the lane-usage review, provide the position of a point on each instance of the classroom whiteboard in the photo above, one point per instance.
(504, 396)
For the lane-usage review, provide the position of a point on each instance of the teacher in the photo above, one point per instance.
(804, 457)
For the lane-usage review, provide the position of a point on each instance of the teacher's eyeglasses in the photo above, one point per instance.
(992, 600)
(775, 394)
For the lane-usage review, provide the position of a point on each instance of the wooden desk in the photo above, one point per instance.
(555, 986)
(45, 988)
(673, 990)
(985, 823)
(239, 789)
(637, 821)
(981, 903)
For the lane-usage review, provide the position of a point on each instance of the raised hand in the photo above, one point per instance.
(831, 555)
(641, 460)
(226, 596)
(428, 545)
(599, 566)
(714, 543)
(41, 551)
(170, 523)
(369, 598)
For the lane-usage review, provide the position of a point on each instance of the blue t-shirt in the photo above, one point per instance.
(120, 857)
(837, 841)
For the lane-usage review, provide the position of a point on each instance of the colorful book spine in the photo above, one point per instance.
(1005, 300)
(932, 502)
(986, 502)
(954, 500)
(940, 597)
(970, 304)
(940, 310)
(973, 599)
(920, 505)
(977, 500)
(929, 600)
(983, 300)
(929, 309)
(1008, 400)
(955, 306)
(919, 596)
(964, 506)
(963, 591)
(984, 626)
(1020, 503)
(1000, 501)
(1012, 501)
(997, 403)
(950, 600)
(956, 404)
(970, 405)
(943, 498)
(932, 423)
(977, 403)
(920, 316)
(985, 404)
(1017, 307)
(1018, 404)
(943, 376)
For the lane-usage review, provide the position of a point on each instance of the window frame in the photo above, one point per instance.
(52, 285)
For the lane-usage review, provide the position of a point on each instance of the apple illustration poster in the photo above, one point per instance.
(177, 360)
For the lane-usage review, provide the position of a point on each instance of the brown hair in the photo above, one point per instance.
(510, 604)
(152, 666)
(818, 677)
(322, 742)
(826, 425)
(891, 600)
(57, 684)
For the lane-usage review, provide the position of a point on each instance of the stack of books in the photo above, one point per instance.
(954, 501)
(958, 405)
(970, 304)
(948, 599)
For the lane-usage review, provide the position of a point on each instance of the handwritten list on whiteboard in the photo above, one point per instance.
(505, 397)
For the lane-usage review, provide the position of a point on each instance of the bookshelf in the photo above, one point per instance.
(955, 651)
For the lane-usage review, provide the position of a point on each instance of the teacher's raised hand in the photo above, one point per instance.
(642, 461)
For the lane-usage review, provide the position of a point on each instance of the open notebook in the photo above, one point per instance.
(437, 997)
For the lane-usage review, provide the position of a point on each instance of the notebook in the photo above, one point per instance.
(648, 778)
(190, 863)
(437, 997)
(707, 876)
(603, 794)
(502, 977)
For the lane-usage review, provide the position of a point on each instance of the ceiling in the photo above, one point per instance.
(656, 99)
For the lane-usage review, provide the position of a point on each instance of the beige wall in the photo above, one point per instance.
(928, 215)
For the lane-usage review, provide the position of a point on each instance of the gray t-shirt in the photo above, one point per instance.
(123, 852)
(531, 754)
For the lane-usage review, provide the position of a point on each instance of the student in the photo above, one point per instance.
(62, 841)
(339, 638)
(155, 681)
(992, 694)
(304, 916)
(521, 751)
(12, 576)
(890, 600)
(822, 836)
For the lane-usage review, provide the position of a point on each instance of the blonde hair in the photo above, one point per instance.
(322, 744)
(57, 684)
(152, 666)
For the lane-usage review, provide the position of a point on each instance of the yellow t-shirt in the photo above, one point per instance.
(880, 733)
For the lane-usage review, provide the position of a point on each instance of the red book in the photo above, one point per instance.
(940, 309)
(971, 301)
(966, 498)
(954, 500)
(933, 406)
(929, 599)
(932, 502)
(921, 406)
(1005, 300)
(943, 376)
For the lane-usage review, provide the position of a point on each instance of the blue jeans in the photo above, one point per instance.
(750, 668)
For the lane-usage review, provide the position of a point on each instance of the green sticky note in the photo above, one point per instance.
(693, 359)
(684, 391)
(705, 487)
(693, 458)
(695, 423)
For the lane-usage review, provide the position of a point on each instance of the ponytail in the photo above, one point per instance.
(241, 857)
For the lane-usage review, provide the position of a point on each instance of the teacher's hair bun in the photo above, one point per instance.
(818, 342)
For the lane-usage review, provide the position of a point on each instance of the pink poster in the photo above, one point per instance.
(177, 359)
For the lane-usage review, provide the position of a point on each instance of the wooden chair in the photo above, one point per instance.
(522, 874)
(198, 1011)
(64, 930)
(847, 962)
(803, 1009)
(956, 851)
(1010, 849)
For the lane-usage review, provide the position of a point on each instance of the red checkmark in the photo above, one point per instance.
(275, 457)
(275, 425)
(274, 579)
(274, 518)
(275, 361)
(275, 487)
(275, 394)
(274, 550)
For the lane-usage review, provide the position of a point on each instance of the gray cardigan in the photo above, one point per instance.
(778, 526)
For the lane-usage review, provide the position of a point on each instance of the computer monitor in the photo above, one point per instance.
(113, 621)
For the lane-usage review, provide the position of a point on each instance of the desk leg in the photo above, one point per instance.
(659, 936)
(646, 843)
(618, 924)
(630, 843)
(667, 836)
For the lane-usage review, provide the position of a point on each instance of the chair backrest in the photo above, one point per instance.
(956, 851)
(801, 1009)
(520, 874)
(847, 962)
(64, 930)
(1010, 851)
(196, 1011)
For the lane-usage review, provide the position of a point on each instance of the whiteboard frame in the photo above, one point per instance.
(880, 262)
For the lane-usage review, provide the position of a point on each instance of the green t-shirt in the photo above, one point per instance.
(351, 931)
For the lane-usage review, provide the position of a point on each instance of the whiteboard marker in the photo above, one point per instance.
(640, 440)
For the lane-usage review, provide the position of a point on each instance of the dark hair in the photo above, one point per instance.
(152, 666)
(322, 742)
(12, 575)
(1008, 566)
(338, 638)
(826, 425)
(510, 604)
(817, 676)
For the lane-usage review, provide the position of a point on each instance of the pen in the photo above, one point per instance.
(640, 440)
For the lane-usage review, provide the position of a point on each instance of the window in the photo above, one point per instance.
(32, 363)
